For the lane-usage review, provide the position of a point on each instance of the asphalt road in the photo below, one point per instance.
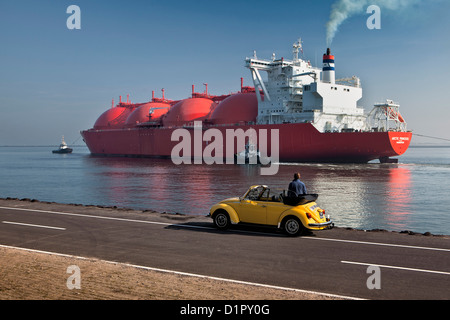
(338, 261)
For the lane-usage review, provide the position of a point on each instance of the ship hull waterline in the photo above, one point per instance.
(298, 142)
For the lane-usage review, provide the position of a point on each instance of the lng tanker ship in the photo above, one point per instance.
(315, 116)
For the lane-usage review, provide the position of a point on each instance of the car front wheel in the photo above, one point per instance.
(221, 220)
(293, 227)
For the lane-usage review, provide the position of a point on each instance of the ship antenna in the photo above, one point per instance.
(296, 48)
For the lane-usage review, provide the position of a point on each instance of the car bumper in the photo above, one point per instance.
(328, 224)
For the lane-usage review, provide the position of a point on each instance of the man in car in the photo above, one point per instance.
(296, 187)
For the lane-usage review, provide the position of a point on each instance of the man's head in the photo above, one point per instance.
(296, 176)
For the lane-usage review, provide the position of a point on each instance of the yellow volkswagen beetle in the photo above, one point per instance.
(260, 206)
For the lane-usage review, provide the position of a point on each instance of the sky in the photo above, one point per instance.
(55, 81)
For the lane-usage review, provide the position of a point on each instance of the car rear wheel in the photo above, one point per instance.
(293, 227)
(221, 220)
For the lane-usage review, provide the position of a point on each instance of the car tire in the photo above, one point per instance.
(221, 220)
(293, 227)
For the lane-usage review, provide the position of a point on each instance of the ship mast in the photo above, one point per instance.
(297, 46)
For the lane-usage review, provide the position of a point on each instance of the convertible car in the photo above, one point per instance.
(261, 206)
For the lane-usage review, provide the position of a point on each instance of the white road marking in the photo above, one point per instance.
(395, 267)
(188, 274)
(107, 218)
(33, 225)
(379, 244)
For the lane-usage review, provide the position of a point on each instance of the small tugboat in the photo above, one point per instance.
(250, 155)
(63, 148)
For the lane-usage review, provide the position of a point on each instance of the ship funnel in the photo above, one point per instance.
(328, 73)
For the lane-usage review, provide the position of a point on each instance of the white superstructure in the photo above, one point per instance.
(295, 91)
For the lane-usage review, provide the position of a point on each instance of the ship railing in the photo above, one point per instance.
(386, 116)
(192, 125)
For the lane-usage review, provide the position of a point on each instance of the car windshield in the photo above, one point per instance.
(263, 193)
(255, 193)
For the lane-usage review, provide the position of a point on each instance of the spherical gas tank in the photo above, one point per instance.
(113, 118)
(237, 108)
(187, 111)
(142, 113)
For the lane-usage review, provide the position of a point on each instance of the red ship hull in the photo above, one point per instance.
(298, 142)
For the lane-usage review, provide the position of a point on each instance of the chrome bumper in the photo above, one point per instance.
(323, 224)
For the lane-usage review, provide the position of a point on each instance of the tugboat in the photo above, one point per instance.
(63, 148)
(251, 155)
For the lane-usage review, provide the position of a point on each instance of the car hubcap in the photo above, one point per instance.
(221, 220)
(292, 226)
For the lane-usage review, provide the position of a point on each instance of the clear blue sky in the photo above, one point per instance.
(55, 81)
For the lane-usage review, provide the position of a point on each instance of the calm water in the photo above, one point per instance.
(412, 195)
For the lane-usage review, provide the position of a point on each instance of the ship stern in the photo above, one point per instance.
(400, 141)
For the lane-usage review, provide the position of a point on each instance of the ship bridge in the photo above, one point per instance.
(295, 91)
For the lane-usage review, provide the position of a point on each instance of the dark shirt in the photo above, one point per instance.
(296, 188)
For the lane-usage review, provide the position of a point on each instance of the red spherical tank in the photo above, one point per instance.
(113, 118)
(141, 114)
(238, 108)
(188, 110)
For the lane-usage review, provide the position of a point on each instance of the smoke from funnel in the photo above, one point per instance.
(341, 10)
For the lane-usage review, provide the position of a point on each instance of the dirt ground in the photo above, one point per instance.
(28, 275)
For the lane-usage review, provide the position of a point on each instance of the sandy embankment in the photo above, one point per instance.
(37, 276)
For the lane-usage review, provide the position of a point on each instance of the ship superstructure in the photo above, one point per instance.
(297, 92)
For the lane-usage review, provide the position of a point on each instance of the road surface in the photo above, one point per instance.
(349, 263)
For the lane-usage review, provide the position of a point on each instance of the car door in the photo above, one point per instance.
(274, 211)
(251, 211)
